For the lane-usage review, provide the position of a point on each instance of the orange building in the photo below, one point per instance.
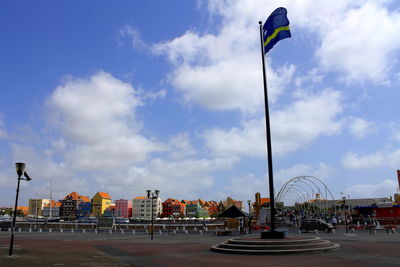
(230, 202)
(173, 208)
(24, 210)
(213, 208)
(260, 206)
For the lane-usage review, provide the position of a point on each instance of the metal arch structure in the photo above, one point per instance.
(298, 193)
(299, 189)
(314, 184)
(292, 198)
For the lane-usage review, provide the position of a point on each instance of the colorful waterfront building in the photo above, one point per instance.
(138, 207)
(204, 212)
(109, 211)
(100, 202)
(141, 207)
(213, 208)
(192, 208)
(84, 208)
(35, 206)
(123, 208)
(173, 208)
(52, 210)
(70, 206)
(230, 202)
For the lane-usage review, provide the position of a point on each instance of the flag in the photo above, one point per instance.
(275, 28)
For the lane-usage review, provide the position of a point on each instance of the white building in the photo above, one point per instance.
(53, 210)
(141, 207)
(35, 208)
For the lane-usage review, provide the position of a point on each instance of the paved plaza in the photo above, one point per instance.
(117, 249)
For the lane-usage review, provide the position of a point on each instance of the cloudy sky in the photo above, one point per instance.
(167, 95)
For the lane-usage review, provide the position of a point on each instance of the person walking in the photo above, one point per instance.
(334, 221)
(241, 226)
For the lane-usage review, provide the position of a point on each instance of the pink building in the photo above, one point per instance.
(123, 208)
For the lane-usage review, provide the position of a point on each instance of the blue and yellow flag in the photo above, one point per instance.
(276, 28)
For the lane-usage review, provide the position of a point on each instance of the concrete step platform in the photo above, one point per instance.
(275, 246)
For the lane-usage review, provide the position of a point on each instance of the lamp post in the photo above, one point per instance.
(345, 215)
(249, 202)
(152, 195)
(20, 168)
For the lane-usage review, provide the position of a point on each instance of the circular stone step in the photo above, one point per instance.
(275, 246)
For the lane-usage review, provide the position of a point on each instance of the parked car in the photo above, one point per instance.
(314, 224)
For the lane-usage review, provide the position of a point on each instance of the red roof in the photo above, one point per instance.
(85, 198)
(73, 195)
(76, 196)
(104, 195)
(264, 200)
(54, 204)
(173, 201)
(191, 202)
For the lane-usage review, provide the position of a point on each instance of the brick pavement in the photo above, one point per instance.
(54, 249)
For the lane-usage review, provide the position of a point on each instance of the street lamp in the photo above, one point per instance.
(20, 168)
(249, 202)
(152, 196)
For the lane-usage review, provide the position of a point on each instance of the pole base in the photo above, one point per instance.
(273, 235)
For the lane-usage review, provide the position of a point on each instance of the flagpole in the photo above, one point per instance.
(268, 136)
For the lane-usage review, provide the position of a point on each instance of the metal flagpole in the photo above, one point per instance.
(268, 136)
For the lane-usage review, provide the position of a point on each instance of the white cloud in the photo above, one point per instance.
(379, 159)
(183, 178)
(222, 71)
(396, 136)
(386, 188)
(293, 128)
(131, 33)
(360, 128)
(100, 140)
(96, 118)
(244, 187)
(363, 43)
(395, 131)
(3, 132)
(43, 168)
(180, 146)
(39, 164)
(248, 140)
(321, 171)
(312, 78)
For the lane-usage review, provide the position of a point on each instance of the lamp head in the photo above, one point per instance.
(249, 202)
(157, 192)
(27, 178)
(20, 168)
(148, 193)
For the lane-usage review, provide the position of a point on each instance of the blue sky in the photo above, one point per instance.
(99, 96)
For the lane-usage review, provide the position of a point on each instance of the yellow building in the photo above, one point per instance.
(100, 202)
(35, 208)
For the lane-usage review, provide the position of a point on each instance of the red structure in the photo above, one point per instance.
(123, 208)
(213, 208)
(386, 212)
(173, 208)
